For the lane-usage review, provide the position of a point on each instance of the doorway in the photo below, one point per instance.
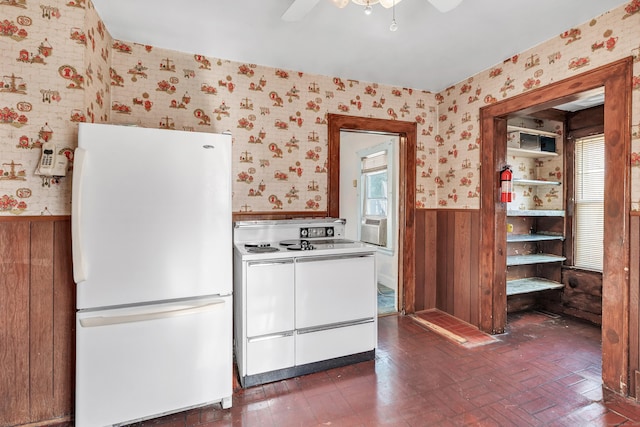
(368, 190)
(407, 132)
(615, 78)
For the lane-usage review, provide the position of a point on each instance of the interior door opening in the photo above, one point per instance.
(368, 190)
(620, 354)
(557, 186)
(406, 153)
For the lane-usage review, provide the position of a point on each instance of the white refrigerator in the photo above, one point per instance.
(152, 262)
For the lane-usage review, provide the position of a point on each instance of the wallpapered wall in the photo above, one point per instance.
(60, 66)
(612, 36)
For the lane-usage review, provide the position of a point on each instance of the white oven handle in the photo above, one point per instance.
(270, 262)
(333, 257)
(271, 336)
(334, 326)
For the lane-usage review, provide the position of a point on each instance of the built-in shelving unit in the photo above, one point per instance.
(520, 181)
(536, 233)
(534, 154)
(533, 237)
(531, 284)
(539, 258)
(511, 128)
(535, 212)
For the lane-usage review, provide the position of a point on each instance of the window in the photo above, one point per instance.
(374, 176)
(589, 203)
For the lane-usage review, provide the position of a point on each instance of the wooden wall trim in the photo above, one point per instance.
(253, 216)
(50, 218)
(447, 210)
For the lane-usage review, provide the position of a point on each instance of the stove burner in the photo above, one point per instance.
(303, 246)
(260, 249)
(257, 245)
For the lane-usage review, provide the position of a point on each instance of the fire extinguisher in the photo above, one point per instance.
(506, 185)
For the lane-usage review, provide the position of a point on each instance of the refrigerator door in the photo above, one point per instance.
(151, 215)
(139, 362)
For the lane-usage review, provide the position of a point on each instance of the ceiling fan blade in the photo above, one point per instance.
(445, 5)
(298, 10)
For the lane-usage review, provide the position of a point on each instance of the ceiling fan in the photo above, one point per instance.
(300, 8)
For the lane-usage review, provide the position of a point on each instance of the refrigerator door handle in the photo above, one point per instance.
(91, 322)
(79, 268)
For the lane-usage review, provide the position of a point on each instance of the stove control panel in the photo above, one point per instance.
(311, 232)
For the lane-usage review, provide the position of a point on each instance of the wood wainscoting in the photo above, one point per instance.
(447, 248)
(37, 320)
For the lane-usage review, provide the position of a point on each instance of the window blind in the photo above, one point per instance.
(374, 162)
(589, 203)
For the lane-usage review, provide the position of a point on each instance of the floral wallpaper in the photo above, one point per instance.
(60, 66)
(278, 118)
(41, 97)
(607, 38)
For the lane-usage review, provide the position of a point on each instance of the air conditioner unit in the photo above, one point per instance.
(374, 230)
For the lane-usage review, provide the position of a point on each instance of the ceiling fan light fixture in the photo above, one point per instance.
(368, 10)
(445, 5)
(341, 4)
(389, 3)
(394, 24)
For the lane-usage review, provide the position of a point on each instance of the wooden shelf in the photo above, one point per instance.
(520, 181)
(533, 259)
(531, 284)
(521, 152)
(535, 237)
(511, 128)
(535, 212)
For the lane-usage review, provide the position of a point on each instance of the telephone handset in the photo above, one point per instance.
(51, 163)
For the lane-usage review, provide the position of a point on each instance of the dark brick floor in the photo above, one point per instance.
(543, 372)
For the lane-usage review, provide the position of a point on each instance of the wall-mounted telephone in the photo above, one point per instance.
(51, 163)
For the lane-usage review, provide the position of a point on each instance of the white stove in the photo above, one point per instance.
(305, 298)
(278, 238)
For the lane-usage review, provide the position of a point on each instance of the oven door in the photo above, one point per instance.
(334, 289)
(335, 306)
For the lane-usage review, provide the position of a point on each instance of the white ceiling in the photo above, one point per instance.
(430, 50)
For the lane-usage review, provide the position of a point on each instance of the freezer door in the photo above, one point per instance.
(141, 362)
(151, 215)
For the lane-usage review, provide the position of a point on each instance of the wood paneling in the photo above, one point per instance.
(447, 266)
(37, 328)
(14, 327)
(634, 303)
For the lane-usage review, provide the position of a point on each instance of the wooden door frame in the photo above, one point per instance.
(408, 132)
(616, 79)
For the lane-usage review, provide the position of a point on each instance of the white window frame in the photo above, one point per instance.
(387, 147)
(589, 203)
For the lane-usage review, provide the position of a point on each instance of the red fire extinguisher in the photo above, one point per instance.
(506, 185)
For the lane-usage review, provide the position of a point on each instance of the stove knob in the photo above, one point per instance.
(330, 231)
(304, 232)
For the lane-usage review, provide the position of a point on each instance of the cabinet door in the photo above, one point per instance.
(335, 289)
(270, 301)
